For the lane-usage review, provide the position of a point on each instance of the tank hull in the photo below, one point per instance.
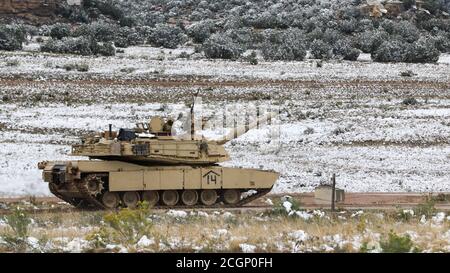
(109, 184)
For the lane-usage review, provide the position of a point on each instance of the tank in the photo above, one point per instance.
(148, 163)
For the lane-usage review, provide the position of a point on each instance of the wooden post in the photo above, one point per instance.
(110, 132)
(333, 191)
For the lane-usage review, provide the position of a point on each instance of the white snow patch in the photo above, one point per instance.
(299, 235)
(304, 215)
(177, 213)
(227, 214)
(360, 212)
(423, 219)
(247, 248)
(287, 206)
(221, 232)
(76, 245)
(145, 242)
(438, 218)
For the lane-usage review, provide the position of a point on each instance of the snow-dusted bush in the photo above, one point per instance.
(266, 19)
(201, 31)
(442, 42)
(436, 24)
(200, 14)
(60, 31)
(369, 41)
(348, 26)
(423, 51)
(109, 8)
(219, 46)
(330, 36)
(78, 45)
(391, 51)
(126, 36)
(288, 46)
(365, 25)
(315, 34)
(345, 50)
(100, 31)
(321, 50)
(388, 25)
(105, 49)
(233, 22)
(243, 37)
(11, 37)
(166, 36)
(407, 31)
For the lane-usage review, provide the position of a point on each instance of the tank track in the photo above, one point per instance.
(89, 201)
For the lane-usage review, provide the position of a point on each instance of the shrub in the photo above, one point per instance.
(441, 42)
(308, 131)
(127, 225)
(129, 37)
(343, 49)
(18, 223)
(11, 37)
(110, 9)
(388, 25)
(102, 31)
(348, 26)
(426, 208)
(266, 19)
(280, 209)
(321, 50)
(201, 31)
(406, 30)
(127, 22)
(397, 244)
(423, 51)
(13, 62)
(221, 47)
(287, 46)
(81, 46)
(391, 51)
(252, 58)
(166, 36)
(81, 67)
(243, 37)
(369, 41)
(105, 49)
(60, 31)
(407, 73)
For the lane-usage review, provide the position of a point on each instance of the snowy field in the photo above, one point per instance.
(348, 118)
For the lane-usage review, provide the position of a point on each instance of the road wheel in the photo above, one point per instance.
(170, 197)
(110, 200)
(130, 199)
(189, 197)
(152, 197)
(208, 197)
(231, 197)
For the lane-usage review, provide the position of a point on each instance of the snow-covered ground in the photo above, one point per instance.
(148, 62)
(351, 120)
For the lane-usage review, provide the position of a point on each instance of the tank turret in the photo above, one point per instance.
(153, 143)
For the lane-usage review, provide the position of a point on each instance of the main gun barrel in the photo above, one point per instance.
(238, 131)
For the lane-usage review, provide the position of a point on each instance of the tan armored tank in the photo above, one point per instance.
(149, 163)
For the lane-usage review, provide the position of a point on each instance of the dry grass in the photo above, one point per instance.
(225, 232)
